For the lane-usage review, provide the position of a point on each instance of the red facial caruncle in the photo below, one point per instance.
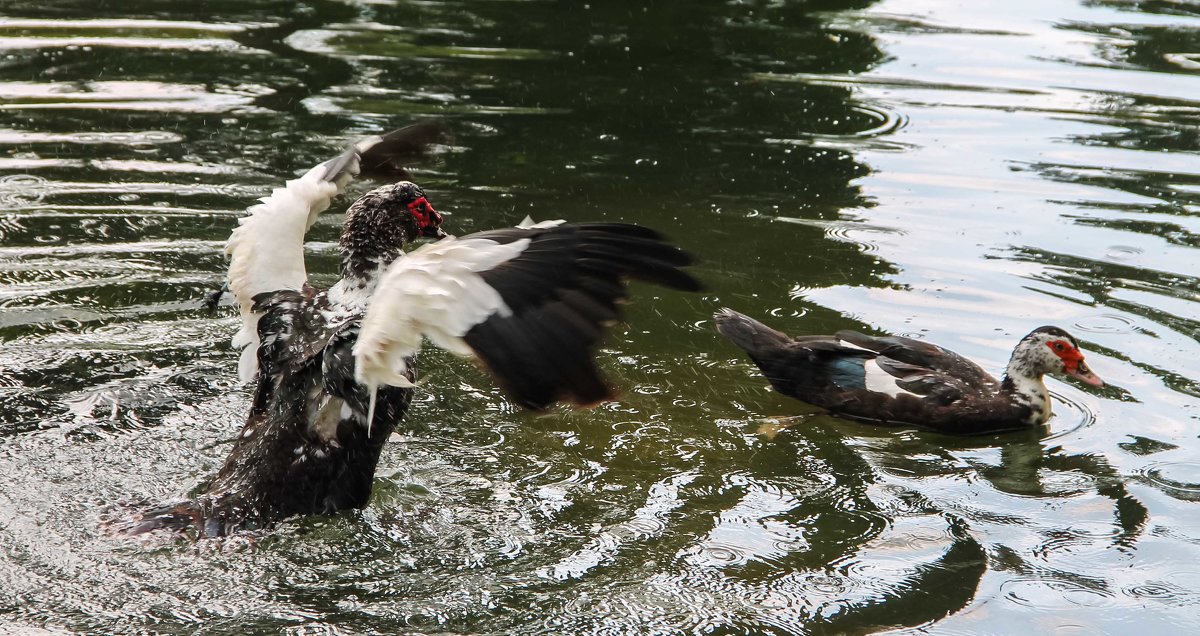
(1071, 356)
(429, 221)
(1073, 362)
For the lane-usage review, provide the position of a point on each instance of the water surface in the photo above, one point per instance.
(941, 170)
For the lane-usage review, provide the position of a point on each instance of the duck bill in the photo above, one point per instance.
(1084, 374)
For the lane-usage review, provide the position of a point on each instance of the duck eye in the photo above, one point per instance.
(1058, 346)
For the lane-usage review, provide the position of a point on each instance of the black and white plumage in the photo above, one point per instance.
(530, 302)
(335, 369)
(901, 381)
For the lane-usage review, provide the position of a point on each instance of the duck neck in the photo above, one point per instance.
(370, 242)
(1028, 389)
(354, 292)
(368, 247)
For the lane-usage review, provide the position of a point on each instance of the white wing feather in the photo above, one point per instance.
(880, 381)
(436, 292)
(528, 223)
(266, 250)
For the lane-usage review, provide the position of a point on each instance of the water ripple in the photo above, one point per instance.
(1081, 542)
(1106, 324)
(1054, 594)
(1123, 252)
(125, 25)
(21, 190)
(24, 191)
(1179, 479)
(382, 42)
(162, 44)
(1175, 588)
(136, 139)
(131, 95)
(868, 124)
(1070, 415)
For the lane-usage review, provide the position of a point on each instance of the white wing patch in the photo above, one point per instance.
(434, 291)
(875, 378)
(266, 251)
(881, 381)
(851, 345)
(528, 223)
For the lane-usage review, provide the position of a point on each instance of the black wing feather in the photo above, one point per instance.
(385, 160)
(589, 308)
(562, 290)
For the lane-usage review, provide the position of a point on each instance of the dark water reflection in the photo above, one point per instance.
(956, 172)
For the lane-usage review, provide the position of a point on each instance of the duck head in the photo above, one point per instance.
(1050, 350)
(380, 222)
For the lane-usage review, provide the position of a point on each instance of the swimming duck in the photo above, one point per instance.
(901, 381)
(334, 369)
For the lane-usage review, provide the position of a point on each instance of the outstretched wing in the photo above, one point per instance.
(266, 250)
(529, 302)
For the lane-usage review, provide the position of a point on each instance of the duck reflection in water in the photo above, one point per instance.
(911, 545)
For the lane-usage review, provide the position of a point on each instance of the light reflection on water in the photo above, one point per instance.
(956, 173)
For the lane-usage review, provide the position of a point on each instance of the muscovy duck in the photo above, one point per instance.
(334, 369)
(901, 381)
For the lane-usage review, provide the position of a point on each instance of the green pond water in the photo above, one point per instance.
(956, 171)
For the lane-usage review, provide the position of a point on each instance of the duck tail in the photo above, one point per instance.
(749, 334)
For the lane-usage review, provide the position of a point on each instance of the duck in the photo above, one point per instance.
(898, 381)
(334, 369)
